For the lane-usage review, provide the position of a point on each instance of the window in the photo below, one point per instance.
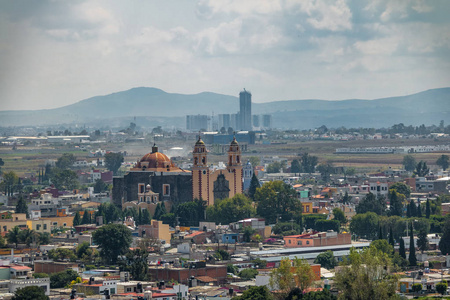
(64, 224)
(307, 208)
(141, 188)
(38, 227)
(299, 243)
(56, 224)
(289, 241)
(45, 226)
(166, 189)
(307, 242)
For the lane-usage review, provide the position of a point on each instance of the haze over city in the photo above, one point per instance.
(55, 53)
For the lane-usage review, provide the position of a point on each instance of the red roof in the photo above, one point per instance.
(195, 233)
(162, 295)
(23, 268)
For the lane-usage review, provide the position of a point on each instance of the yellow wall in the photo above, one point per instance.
(40, 226)
(68, 220)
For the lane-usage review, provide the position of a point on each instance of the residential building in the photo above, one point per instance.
(157, 230)
(15, 284)
(329, 238)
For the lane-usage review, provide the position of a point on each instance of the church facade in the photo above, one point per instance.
(212, 185)
(154, 178)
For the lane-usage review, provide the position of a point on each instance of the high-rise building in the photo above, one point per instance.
(196, 122)
(245, 112)
(267, 121)
(256, 120)
(224, 121)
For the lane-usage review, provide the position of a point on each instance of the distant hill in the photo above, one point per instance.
(154, 107)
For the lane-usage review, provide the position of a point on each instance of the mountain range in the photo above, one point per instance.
(153, 107)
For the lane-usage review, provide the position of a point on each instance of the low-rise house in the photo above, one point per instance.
(329, 238)
(157, 230)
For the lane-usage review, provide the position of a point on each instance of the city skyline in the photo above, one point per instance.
(58, 53)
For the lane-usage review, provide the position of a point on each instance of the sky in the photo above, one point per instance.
(54, 53)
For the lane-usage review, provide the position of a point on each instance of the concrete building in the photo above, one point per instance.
(156, 230)
(196, 122)
(245, 112)
(319, 239)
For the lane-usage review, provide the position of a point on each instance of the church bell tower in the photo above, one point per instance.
(200, 171)
(235, 165)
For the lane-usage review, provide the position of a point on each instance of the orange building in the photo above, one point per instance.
(329, 238)
(218, 184)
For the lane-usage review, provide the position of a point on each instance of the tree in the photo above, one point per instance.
(401, 249)
(295, 166)
(383, 246)
(441, 287)
(412, 249)
(421, 169)
(417, 287)
(248, 232)
(411, 209)
(27, 236)
(365, 225)
(248, 274)
(401, 188)
(100, 186)
(13, 235)
(326, 259)
(339, 216)
(443, 162)
(113, 240)
(191, 213)
(64, 179)
(62, 254)
(308, 163)
(146, 218)
(232, 269)
(256, 293)
(221, 254)
(391, 238)
(274, 167)
(278, 200)
(419, 210)
(422, 240)
(76, 219)
(286, 277)
(230, 210)
(135, 262)
(22, 207)
(365, 275)
(10, 180)
(427, 209)
(86, 218)
(396, 205)
(325, 169)
(113, 161)
(254, 185)
(66, 161)
(444, 243)
(371, 203)
(346, 199)
(2, 163)
(62, 279)
(30, 293)
(409, 162)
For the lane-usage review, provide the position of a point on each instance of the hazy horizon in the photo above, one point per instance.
(55, 54)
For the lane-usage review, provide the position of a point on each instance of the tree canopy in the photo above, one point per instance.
(66, 161)
(113, 240)
(372, 203)
(113, 161)
(230, 210)
(443, 161)
(30, 293)
(422, 169)
(365, 275)
(409, 163)
(276, 199)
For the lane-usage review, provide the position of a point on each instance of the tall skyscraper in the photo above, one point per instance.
(245, 112)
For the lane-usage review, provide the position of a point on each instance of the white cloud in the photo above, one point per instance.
(328, 15)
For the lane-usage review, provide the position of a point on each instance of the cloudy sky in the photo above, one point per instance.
(54, 53)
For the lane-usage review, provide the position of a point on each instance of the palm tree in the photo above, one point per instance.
(27, 236)
(13, 235)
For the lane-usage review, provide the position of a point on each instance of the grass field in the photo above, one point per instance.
(29, 159)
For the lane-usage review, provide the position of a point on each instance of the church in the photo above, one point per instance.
(155, 178)
(211, 185)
